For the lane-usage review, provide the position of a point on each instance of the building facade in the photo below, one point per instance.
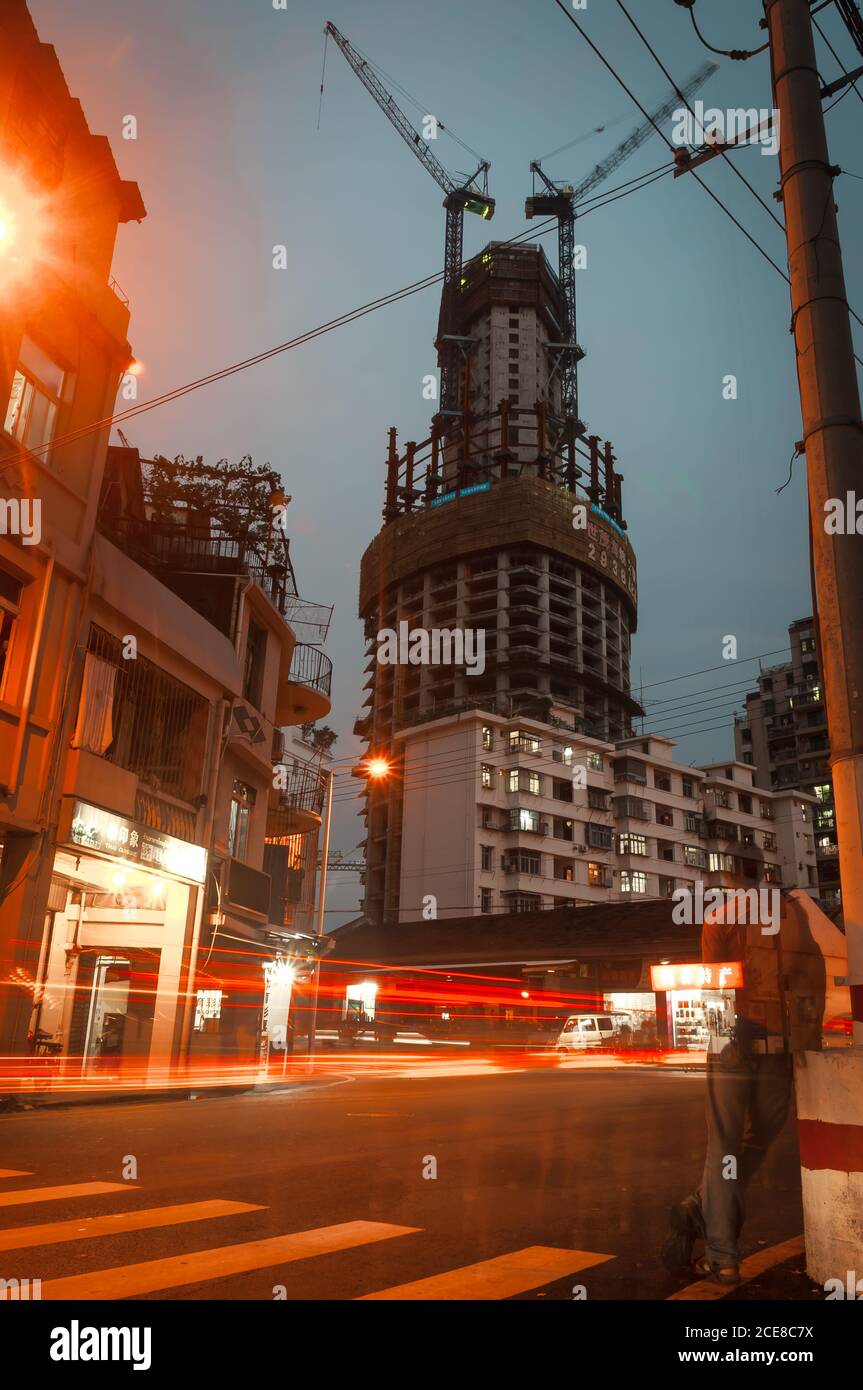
(518, 815)
(783, 736)
(63, 352)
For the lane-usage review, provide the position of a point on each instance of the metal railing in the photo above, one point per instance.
(304, 791)
(205, 547)
(312, 668)
(136, 715)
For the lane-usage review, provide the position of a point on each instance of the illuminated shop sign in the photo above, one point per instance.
(717, 975)
(460, 492)
(104, 831)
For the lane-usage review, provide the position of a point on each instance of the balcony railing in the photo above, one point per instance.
(304, 792)
(205, 547)
(312, 668)
(136, 715)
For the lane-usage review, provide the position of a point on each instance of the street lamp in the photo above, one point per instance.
(378, 768)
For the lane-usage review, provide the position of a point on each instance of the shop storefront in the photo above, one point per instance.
(699, 1002)
(125, 900)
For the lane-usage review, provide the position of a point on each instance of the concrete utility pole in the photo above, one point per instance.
(830, 1084)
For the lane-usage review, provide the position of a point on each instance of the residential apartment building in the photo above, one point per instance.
(63, 352)
(508, 815)
(169, 933)
(783, 736)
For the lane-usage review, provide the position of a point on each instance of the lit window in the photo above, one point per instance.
(242, 801)
(594, 762)
(633, 882)
(37, 385)
(487, 737)
(628, 843)
(487, 775)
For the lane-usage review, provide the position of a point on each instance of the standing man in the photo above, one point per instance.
(779, 1010)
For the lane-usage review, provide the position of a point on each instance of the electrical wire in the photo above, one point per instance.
(350, 316)
(749, 237)
(738, 54)
(841, 64)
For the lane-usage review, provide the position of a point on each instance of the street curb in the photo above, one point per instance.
(28, 1102)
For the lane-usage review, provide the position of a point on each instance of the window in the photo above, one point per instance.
(564, 869)
(486, 856)
(745, 804)
(485, 900)
(524, 743)
(769, 840)
(766, 810)
(596, 875)
(692, 822)
(666, 887)
(562, 755)
(487, 776)
(633, 882)
(242, 801)
(720, 796)
(694, 857)
(523, 780)
(720, 863)
(487, 737)
(524, 861)
(599, 836)
(664, 815)
(524, 902)
(662, 781)
(10, 607)
(37, 386)
(521, 819)
(253, 671)
(594, 762)
(627, 843)
(823, 792)
(597, 800)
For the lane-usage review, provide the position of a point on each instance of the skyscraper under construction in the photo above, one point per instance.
(506, 522)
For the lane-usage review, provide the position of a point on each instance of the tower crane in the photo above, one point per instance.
(559, 200)
(471, 195)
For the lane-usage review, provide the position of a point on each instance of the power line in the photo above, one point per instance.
(841, 64)
(738, 54)
(667, 75)
(749, 237)
(300, 340)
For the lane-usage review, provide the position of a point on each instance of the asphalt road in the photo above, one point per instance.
(578, 1161)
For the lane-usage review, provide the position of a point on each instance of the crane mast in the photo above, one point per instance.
(467, 196)
(559, 201)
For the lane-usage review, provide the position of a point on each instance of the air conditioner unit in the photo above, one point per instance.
(580, 849)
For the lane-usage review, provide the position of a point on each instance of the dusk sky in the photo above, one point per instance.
(230, 163)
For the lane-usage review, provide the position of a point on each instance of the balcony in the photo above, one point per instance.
(298, 806)
(305, 696)
(169, 547)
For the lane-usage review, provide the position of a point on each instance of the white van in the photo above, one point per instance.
(586, 1030)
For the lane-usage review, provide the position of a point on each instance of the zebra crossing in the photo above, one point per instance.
(505, 1276)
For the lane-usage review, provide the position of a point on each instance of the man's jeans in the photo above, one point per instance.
(747, 1105)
